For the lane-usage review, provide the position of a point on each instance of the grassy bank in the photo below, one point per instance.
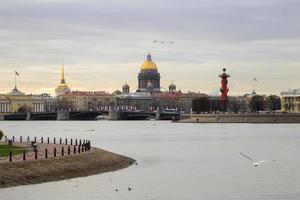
(88, 163)
(5, 149)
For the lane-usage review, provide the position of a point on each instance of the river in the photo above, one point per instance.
(175, 161)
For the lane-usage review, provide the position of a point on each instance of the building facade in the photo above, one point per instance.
(85, 101)
(290, 101)
(18, 102)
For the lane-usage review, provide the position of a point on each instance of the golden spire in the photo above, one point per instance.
(62, 81)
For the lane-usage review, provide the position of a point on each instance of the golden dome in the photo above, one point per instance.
(149, 64)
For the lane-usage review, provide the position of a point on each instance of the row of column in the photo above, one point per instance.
(4, 107)
(38, 107)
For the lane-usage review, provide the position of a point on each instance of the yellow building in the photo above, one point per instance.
(18, 102)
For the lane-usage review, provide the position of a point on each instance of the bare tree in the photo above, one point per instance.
(289, 104)
(274, 103)
(257, 103)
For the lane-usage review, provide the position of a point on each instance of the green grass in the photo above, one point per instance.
(5, 149)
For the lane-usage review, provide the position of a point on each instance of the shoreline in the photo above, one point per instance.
(88, 163)
(240, 118)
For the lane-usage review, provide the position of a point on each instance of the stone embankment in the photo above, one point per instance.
(240, 118)
(59, 167)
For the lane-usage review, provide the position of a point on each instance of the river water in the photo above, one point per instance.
(175, 161)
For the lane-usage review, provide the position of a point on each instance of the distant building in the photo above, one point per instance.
(157, 101)
(136, 100)
(149, 95)
(85, 100)
(50, 103)
(18, 102)
(149, 78)
(290, 101)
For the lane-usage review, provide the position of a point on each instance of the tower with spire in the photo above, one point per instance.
(62, 88)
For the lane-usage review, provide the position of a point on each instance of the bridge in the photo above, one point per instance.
(60, 115)
(93, 115)
(141, 115)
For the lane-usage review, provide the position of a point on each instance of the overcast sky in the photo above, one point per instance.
(104, 42)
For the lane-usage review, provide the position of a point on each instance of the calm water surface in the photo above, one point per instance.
(175, 161)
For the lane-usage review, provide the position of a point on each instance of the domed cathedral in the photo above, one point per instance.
(149, 76)
(62, 88)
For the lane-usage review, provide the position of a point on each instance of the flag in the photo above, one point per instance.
(254, 79)
(17, 73)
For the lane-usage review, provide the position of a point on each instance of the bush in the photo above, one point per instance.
(1, 134)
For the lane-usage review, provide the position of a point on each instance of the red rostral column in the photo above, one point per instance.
(224, 89)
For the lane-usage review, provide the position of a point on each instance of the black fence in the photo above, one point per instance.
(32, 151)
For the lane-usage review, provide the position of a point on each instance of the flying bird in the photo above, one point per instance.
(254, 163)
(155, 41)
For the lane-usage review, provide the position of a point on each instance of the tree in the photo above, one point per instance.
(257, 103)
(274, 103)
(234, 105)
(117, 92)
(1, 134)
(201, 104)
(215, 105)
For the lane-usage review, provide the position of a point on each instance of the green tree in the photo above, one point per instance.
(257, 103)
(274, 103)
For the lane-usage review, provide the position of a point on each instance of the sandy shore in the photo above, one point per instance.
(88, 163)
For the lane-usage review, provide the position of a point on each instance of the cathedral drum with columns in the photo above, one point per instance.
(149, 76)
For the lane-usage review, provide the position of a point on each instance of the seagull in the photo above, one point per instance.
(256, 164)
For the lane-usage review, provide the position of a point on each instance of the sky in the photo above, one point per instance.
(104, 42)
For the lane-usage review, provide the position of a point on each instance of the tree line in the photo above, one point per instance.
(256, 103)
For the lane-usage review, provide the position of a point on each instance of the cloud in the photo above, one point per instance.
(106, 41)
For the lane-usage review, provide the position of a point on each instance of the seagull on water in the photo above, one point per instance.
(254, 163)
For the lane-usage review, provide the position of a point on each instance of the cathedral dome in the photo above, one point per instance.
(149, 64)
